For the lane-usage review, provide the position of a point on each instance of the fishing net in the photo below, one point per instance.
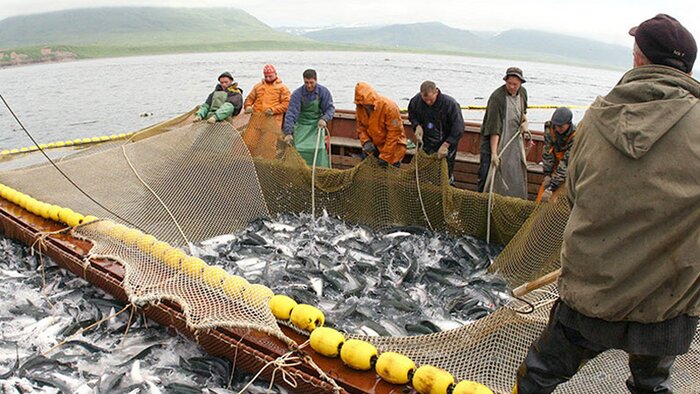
(185, 182)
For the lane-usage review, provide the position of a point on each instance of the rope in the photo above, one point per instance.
(313, 174)
(56, 166)
(328, 147)
(66, 144)
(491, 177)
(286, 360)
(420, 195)
(177, 225)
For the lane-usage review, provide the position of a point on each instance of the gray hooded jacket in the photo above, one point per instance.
(631, 248)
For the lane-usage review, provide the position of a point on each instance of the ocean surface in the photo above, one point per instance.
(107, 96)
(427, 282)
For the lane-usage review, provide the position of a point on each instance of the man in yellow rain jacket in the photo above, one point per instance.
(269, 96)
(379, 126)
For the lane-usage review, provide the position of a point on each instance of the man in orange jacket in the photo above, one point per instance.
(379, 126)
(269, 96)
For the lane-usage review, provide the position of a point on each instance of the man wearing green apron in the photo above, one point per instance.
(310, 109)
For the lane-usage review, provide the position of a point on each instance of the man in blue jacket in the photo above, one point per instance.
(437, 121)
(310, 109)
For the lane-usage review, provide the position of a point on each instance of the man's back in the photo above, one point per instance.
(631, 243)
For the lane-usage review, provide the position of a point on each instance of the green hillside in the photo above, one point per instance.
(431, 36)
(522, 44)
(129, 26)
(125, 31)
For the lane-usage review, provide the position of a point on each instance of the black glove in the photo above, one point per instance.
(369, 147)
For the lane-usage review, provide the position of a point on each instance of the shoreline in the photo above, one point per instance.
(60, 54)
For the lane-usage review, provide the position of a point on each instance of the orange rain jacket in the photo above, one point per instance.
(384, 127)
(273, 95)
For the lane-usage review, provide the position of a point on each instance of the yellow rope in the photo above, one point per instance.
(67, 143)
(536, 106)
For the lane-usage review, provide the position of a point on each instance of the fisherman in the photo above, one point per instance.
(502, 150)
(630, 271)
(269, 96)
(437, 122)
(558, 139)
(379, 126)
(310, 110)
(226, 100)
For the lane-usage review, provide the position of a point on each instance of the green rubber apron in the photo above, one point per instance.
(306, 134)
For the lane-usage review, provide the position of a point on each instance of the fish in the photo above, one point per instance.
(14, 368)
(142, 354)
(182, 388)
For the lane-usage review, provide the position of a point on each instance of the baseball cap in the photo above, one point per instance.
(663, 40)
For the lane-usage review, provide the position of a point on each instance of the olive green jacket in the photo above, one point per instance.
(496, 110)
(631, 248)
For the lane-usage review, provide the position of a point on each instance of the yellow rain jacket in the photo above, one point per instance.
(383, 127)
(273, 95)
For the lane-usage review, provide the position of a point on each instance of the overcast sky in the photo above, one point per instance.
(603, 20)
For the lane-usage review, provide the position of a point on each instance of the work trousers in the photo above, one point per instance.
(560, 351)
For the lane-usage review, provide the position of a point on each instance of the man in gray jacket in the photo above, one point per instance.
(630, 270)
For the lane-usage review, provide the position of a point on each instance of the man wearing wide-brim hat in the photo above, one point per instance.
(630, 276)
(502, 166)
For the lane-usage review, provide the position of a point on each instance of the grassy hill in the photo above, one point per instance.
(524, 44)
(122, 31)
(125, 31)
(122, 26)
(430, 36)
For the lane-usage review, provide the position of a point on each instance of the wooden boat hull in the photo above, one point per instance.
(250, 350)
(346, 149)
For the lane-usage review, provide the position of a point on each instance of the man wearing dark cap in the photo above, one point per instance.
(630, 275)
(502, 155)
(559, 135)
(226, 100)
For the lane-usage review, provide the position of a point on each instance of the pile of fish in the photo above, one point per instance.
(404, 281)
(150, 359)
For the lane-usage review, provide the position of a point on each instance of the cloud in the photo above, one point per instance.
(603, 20)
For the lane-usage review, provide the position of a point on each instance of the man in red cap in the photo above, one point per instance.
(269, 96)
(630, 275)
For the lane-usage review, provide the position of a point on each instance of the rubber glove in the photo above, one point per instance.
(269, 112)
(196, 118)
(495, 161)
(322, 124)
(289, 139)
(248, 110)
(546, 195)
(442, 152)
(211, 120)
(419, 135)
(369, 147)
(547, 181)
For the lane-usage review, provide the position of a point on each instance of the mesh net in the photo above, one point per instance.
(183, 183)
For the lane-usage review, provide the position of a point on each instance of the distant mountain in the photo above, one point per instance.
(588, 51)
(124, 31)
(136, 26)
(116, 31)
(431, 36)
(526, 44)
